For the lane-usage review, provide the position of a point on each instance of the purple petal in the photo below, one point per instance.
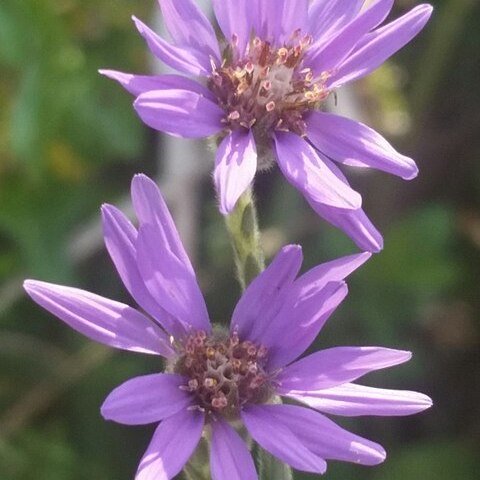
(275, 21)
(264, 26)
(326, 439)
(146, 399)
(326, 17)
(138, 84)
(229, 457)
(311, 175)
(184, 59)
(303, 318)
(275, 437)
(235, 167)
(354, 223)
(150, 208)
(326, 57)
(263, 297)
(120, 239)
(180, 113)
(189, 27)
(100, 319)
(333, 271)
(234, 20)
(173, 443)
(352, 400)
(355, 144)
(378, 46)
(170, 281)
(288, 17)
(338, 365)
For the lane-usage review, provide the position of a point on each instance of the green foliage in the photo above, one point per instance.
(420, 254)
(440, 460)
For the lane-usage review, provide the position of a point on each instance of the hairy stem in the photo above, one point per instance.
(270, 468)
(198, 467)
(242, 226)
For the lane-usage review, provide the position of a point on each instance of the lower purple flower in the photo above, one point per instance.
(216, 378)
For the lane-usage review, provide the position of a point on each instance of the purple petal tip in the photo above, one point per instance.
(420, 401)
(292, 248)
(27, 284)
(225, 209)
(140, 177)
(378, 246)
(413, 174)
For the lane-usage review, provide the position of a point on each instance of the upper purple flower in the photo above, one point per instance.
(216, 378)
(263, 90)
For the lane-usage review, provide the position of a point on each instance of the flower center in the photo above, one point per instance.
(224, 373)
(269, 88)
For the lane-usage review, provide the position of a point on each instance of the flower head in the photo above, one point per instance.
(262, 90)
(217, 378)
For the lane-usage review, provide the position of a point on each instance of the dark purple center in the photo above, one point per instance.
(224, 373)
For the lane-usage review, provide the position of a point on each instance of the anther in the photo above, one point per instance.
(193, 384)
(307, 40)
(282, 55)
(193, 408)
(267, 85)
(249, 68)
(262, 352)
(211, 352)
(235, 115)
(251, 350)
(213, 64)
(240, 73)
(219, 402)
(236, 364)
(209, 382)
(270, 106)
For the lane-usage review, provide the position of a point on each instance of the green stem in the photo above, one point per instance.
(270, 468)
(198, 467)
(242, 226)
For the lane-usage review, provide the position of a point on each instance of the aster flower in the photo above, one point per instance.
(262, 88)
(217, 378)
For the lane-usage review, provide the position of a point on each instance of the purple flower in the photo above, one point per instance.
(263, 89)
(216, 378)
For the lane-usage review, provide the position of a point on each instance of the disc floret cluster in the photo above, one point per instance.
(268, 89)
(224, 373)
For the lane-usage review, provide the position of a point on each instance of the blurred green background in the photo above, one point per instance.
(69, 140)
